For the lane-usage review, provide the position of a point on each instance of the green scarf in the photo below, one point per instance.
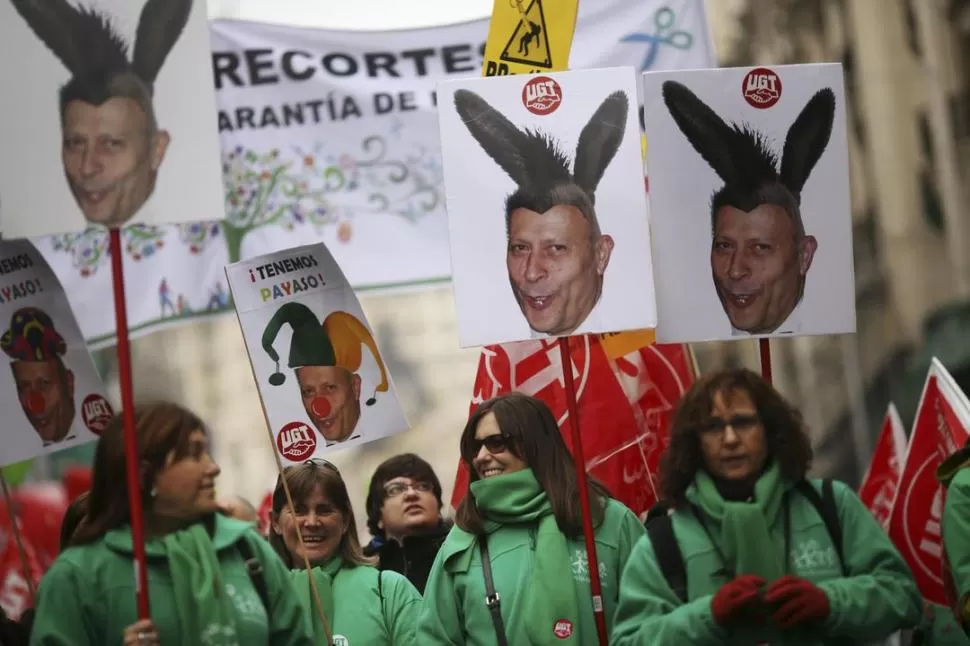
(746, 526)
(204, 607)
(323, 575)
(516, 499)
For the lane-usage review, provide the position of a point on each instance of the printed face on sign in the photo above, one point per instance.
(556, 267)
(561, 226)
(759, 263)
(331, 397)
(763, 142)
(44, 384)
(111, 155)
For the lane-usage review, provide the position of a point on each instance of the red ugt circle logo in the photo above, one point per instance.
(296, 441)
(761, 88)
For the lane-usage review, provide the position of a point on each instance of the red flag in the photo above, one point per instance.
(878, 488)
(942, 420)
(14, 591)
(626, 389)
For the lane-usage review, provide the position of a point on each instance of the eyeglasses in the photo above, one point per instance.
(740, 423)
(396, 489)
(494, 444)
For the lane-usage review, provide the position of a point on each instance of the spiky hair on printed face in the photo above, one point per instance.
(535, 161)
(96, 55)
(742, 157)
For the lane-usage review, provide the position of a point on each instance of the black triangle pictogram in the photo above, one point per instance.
(529, 43)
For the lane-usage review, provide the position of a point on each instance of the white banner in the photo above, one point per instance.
(51, 397)
(297, 310)
(332, 136)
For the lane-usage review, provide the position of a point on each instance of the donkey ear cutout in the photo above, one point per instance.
(807, 139)
(711, 137)
(159, 27)
(497, 136)
(599, 141)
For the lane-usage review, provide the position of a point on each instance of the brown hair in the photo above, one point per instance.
(302, 479)
(534, 436)
(73, 517)
(163, 429)
(786, 436)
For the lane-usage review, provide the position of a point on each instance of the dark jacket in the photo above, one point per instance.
(14, 633)
(414, 558)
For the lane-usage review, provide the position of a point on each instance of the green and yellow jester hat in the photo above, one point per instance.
(335, 343)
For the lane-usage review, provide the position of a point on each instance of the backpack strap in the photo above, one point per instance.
(660, 529)
(255, 569)
(827, 508)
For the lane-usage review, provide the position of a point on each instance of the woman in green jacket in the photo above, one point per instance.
(760, 561)
(200, 588)
(523, 506)
(362, 605)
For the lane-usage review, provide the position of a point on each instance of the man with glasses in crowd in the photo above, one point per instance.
(404, 517)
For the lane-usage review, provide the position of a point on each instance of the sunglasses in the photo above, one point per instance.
(317, 462)
(494, 444)
(717, 425)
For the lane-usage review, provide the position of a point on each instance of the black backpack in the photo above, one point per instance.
(660, 529)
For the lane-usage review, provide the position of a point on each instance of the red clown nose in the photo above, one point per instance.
(33, 403)
(320, 407)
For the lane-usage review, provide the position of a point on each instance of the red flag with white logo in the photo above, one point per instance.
(14, 590)
(878, 488)
(942, 420)
(626, 389)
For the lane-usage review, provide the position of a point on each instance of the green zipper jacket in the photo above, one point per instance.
(362, 615)
(954, 474)
(87, 598)
(454, 610)
(877, 597)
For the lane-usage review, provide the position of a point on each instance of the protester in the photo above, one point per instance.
(954, 474)
(199, 582)
(75, 513)
(404, 517)
(750, 554)
(361, 604)
(522, 518)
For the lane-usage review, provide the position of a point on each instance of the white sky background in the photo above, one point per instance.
(354, 15)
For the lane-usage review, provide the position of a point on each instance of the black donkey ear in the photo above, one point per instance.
(497, 136)
(807, 139)
(599, 141)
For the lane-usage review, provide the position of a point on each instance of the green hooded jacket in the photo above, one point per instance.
(361, 615)
(877, 597)
(454, 610)
(87, 598)
(954, 475)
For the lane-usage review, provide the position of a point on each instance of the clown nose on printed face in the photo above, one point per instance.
(320, 407)
(33, 403)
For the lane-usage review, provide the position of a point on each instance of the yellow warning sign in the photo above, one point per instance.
(526, 36)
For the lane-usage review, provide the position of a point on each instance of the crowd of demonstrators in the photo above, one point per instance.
(513, 569)
(744, 548)
(361, 604)
(404, 517)
(750, 551)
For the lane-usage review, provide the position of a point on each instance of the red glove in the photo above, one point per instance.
(734, 598)
(798, 601)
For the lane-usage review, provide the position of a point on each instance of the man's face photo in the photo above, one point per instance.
(759, 266)
(111, 155)
(555, 267)
(331, 398)
(46, 391)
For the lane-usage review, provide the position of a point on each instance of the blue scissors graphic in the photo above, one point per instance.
(663, 21)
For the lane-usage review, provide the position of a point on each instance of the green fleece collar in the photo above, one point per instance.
(227, 532)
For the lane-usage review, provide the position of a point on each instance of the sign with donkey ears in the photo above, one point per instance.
(546, 206)
(52, 397)
(321, 377)
(749, 195)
